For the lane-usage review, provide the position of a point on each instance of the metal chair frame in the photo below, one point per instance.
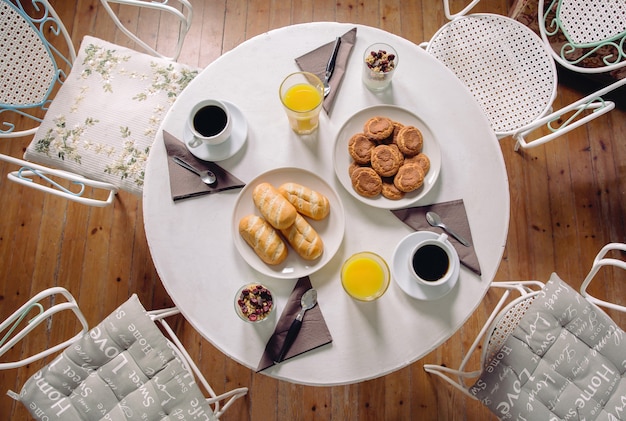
(515, 308)
(42, 28)
(55, 300)
(183, 13)
(587, 36)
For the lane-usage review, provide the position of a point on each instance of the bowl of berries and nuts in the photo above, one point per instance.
(380, 62)
(254, 303)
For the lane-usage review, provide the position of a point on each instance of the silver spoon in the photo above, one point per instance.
(308, 301)
(434, 220)
(331, 66)
(206, 176)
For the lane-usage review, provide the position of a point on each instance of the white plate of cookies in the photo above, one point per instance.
(387, 157)
(288, 223)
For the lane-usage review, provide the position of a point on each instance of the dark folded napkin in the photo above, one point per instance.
(453, 215)
(315, 62)
(313, 333)
(185, 184)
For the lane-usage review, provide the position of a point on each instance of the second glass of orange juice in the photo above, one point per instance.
(365, 276)
(302, 95)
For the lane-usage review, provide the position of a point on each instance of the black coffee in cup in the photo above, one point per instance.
(210, 120)
(430, 262)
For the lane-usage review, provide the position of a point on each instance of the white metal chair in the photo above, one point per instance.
(93, 114)
(124, 368)
(502, 328)
(509, 71)
(583, 31)
(590, 38)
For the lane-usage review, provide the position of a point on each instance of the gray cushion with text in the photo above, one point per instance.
(566, 360)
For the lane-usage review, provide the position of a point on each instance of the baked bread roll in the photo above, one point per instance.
(306, 201)
(273, 206)
(263, 239)
(303, 238)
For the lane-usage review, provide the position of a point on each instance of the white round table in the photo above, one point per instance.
(192, 243)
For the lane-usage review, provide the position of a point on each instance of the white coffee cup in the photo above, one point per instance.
(210, 122)
(433, 261)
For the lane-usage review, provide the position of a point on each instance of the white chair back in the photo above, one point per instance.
(585, 30)
(182, 14)
(33, 66)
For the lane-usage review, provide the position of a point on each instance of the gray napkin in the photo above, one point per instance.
(313, 333)
(453, 214)
(183, 183)
(315, 62)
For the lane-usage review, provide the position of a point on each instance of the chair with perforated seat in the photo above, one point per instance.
(125, 368)
(587, 37)
(511, 74)
(93, 112)
(550, 353)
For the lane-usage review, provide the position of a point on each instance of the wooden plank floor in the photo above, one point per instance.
(568, 199)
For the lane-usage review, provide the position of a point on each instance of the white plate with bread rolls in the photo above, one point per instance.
(368, 184)
(288, 223)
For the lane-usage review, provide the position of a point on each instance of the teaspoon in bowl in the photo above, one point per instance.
(435, 220)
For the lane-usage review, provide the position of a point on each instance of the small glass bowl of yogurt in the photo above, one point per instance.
(254, 303)
(379, 64)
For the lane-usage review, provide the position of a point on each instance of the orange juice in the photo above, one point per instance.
(302, 97)
(365, 276)
(302, 94)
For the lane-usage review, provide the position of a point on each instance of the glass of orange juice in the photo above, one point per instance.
(365, 276)
(302, 95)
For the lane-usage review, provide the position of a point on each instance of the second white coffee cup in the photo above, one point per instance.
(433, 261)
(210, 122)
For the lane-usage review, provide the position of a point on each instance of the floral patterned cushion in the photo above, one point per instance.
(103, 120)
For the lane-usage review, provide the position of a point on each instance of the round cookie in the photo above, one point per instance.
(409, 177)
(410, 140)
(421, 159)
(390, 191)
(366, 182)
(396, 151)
(353, 166)
(385, 161)
(396, 129)
(378, 128)
(360, 148)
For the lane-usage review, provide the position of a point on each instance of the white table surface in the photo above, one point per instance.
(192, 243)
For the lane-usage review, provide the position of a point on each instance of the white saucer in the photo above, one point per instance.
(403, 277)
(230, 146)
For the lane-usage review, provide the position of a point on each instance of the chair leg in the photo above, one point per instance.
(230, 397)
(445, 373)
(30, 172)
